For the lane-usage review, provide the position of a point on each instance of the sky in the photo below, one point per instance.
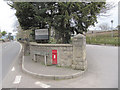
(9, 22)
(7, 17)
(111, 15)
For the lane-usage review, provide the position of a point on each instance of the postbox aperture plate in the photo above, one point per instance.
(54, 56)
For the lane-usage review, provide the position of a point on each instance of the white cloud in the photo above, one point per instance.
(8, 20)
(7, 17)
(112, 15)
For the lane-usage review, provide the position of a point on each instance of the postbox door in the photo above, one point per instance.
(54, 56)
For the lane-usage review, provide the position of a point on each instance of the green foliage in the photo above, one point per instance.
(104, 38)
(25, 14)
(59, 15)
(52, 41)
(0, 35)
(3, 33)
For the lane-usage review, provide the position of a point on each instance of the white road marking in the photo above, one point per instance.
(17, 79)
(42, 84)
(13, 69)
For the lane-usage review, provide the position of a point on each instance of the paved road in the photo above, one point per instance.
(10, 51)
(102, 72)
(0, 64)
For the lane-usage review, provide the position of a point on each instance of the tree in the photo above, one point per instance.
(118, 27)
(76, 17)
(64, 17)
(32, 13)
(0, 34)
(104, 26)
(9, 36)
(23, 34)
(3, 33)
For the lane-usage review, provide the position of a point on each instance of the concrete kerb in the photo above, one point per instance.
(52, 77)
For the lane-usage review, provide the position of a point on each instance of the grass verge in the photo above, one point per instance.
(104, 38)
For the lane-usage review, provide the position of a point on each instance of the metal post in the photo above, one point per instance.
(45, 60)
(112, 27)
(34, 57)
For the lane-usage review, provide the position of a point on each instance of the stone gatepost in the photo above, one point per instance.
(79, 52)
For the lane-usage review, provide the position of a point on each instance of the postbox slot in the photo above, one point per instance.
(54, 56)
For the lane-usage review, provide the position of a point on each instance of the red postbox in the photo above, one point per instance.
(54, 56)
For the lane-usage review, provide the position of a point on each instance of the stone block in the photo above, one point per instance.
(73, 66)
(59, 77)
(78, 55)
(84, 56)
(80, 63)
(79, 59)
(64, 48)
(74, 62)
(49, 77)
(83, 67)
(68, 77)
(78, 67)
(76, 75)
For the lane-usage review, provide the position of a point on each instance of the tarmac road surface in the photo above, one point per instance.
(102, 72)
(10, 50)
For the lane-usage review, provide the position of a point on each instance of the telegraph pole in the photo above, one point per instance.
(112, 27)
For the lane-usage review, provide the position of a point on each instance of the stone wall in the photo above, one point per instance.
(68, 55)
(26, 46)
(64, 53)
(79, 52)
